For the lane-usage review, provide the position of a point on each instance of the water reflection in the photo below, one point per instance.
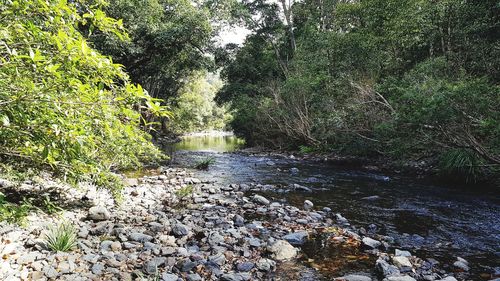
(212, 143)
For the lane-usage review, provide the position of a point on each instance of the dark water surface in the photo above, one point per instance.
(430, 220)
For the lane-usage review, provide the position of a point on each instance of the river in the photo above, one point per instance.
(432, 221)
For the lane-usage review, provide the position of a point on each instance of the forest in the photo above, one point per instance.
(405, 80)
(239, 140)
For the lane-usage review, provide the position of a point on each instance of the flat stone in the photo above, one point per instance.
(296, 238)
(50, 272)
(180, 230)
(169, 277)
(97, 268)
(372, 243)
(245, 266)
(400, 261)
(399, 278)
(401, 253)
(151, 267)
(235, 277)
(140, 237)
(385, 268)
(28, 258)
(354, 277)
(218, 259)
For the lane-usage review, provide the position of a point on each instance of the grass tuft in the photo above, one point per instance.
(61, 238)
(205, 163)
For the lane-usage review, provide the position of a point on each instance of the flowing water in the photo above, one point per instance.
(433, 221)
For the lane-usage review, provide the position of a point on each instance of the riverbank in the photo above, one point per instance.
(172, 226)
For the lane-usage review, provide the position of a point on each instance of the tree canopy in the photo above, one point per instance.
(414, 80)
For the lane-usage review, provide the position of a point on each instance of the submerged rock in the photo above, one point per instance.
(308, 205)
(260, 199)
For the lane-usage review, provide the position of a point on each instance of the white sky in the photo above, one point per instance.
(234, 34)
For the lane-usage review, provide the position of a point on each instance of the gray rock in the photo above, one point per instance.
(97, 268)
(308, 205)
(260, 199)
(254, 242)
(151, 267)
(399, 278)
(214, 238)
(180, 230)
(239, 220)
(235, 277)
(371, 198)
(265, 264)
(99, 213)
(245, 266)
(106, 245)
(354, 277)
(461, 265)
(296, 238)
(188, 266)
(451, 278)
(385, 268)
(28, 258)
(282, 250)
(218, 259)
(169, 277)
(140, 237)
(401, 253)
(50, 272)
(270, 163)
(294, 171)
(372, 243)
(401, 261)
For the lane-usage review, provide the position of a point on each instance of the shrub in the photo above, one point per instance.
(184, 192)
(64, 107)
(14, 213)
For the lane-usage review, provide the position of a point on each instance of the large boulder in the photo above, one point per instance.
(282, 250)
(99, 213)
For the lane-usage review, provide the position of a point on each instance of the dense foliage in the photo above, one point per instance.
(411, 80)
(64, 107)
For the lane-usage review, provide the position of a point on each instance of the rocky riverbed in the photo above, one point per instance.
(165, 230)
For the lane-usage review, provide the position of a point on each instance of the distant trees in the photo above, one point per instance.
(195, 109)
(405, 79)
